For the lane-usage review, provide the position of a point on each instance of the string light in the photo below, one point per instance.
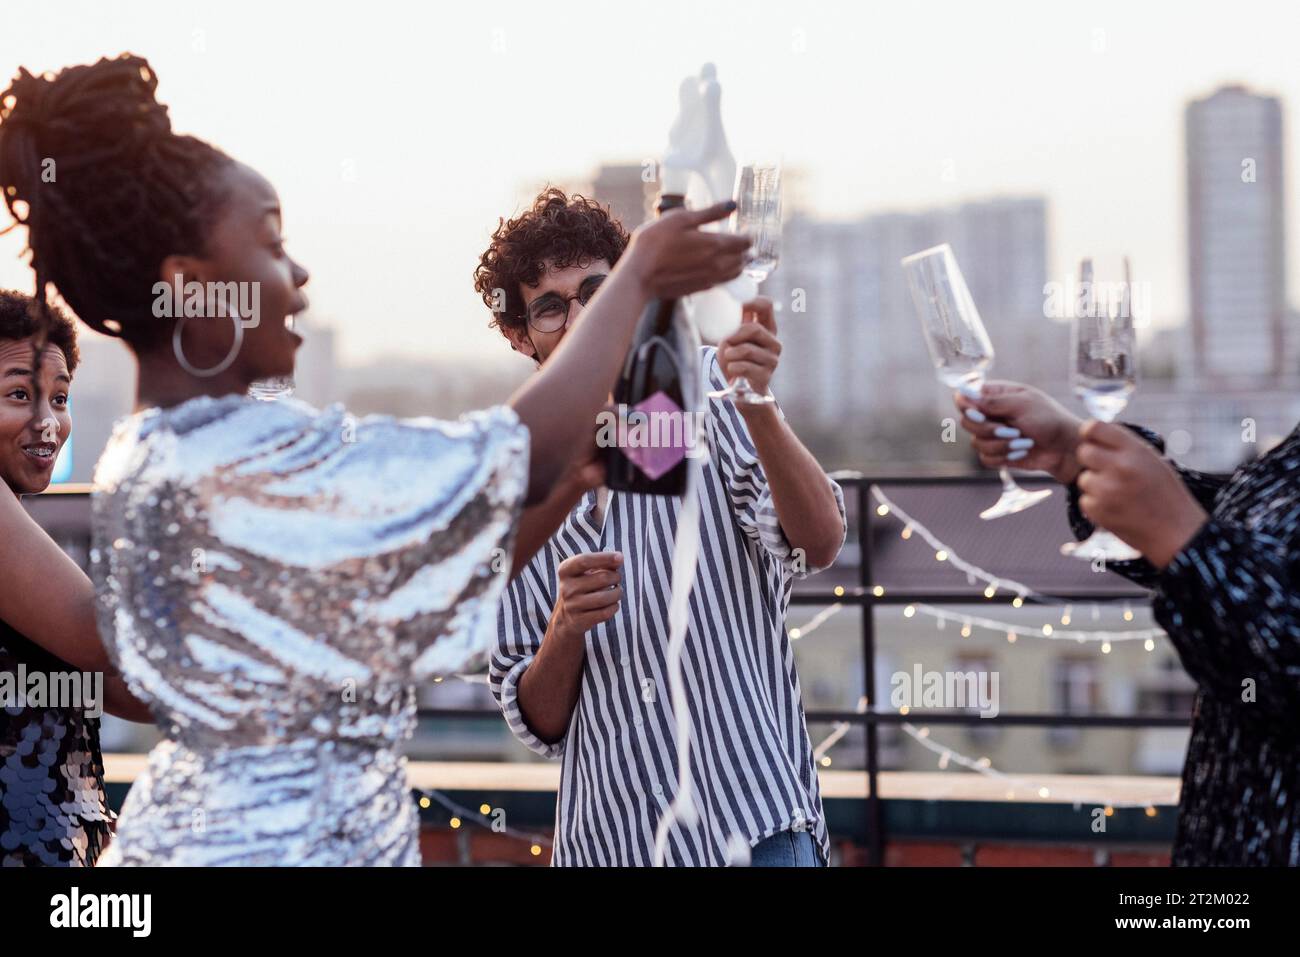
(816, 621)
(460, 815)
(1045, 631)
(1012, 631)
(984, 766)
(839, 730)
(911, 525)
(974, 573)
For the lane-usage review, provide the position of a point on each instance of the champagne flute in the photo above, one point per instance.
(758, 216)
(1104, 375)
(959, 347)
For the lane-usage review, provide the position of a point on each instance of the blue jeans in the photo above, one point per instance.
(787, 849)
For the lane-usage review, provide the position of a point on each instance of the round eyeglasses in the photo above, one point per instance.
(549, 312)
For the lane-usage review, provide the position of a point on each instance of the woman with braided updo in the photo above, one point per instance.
(272, 579)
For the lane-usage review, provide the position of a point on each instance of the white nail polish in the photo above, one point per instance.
(1016, 456)
(975, 415)
(970, 391)
(1022, 443)
(1006, 432)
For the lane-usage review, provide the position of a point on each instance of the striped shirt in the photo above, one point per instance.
(751, 760)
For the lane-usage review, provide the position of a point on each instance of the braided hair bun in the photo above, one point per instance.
(90, 165)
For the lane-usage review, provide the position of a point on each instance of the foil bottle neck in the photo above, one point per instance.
(670, 201)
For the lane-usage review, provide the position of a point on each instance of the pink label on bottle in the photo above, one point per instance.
(657, 440)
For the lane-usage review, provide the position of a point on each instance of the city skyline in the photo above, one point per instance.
(852, 303)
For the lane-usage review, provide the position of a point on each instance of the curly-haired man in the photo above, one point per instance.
(580, 670)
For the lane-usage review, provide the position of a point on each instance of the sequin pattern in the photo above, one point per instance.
(274, 580)
(1230, 602)
(53, 811)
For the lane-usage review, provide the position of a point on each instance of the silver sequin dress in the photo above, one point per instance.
(273, 580)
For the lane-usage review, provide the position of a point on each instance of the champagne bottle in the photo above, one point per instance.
(656, 398)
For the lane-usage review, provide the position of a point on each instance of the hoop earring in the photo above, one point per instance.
(220, 367)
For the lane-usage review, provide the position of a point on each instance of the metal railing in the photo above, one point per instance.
(864, 598)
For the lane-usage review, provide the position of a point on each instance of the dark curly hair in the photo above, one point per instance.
(559, 229)
(90, 165)
(17, 323)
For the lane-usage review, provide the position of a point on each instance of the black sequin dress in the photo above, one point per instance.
(1230, 602)
(53, 810)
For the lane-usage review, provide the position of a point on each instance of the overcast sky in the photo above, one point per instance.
(397, 132)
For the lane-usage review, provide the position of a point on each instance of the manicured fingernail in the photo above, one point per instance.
(731, 205)
(1022, 443)
(1016, 456)
(1006, 432)
(970, 391)
(975, 415)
